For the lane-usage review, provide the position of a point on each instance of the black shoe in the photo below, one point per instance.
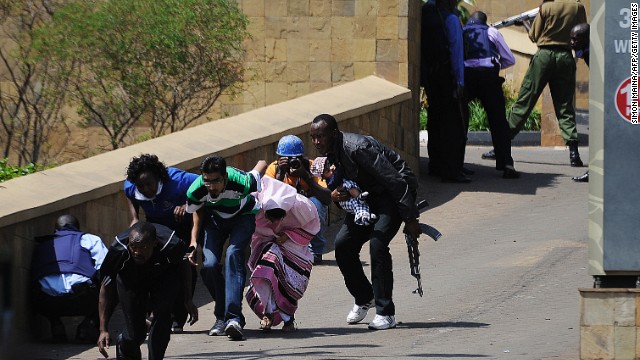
(87, 332)
(433, 171)
(119, 354)
(466, 171)
(58, 334)
(510, 173)
(317, 259)
(574, 155)
(489, 155)
(176, 328)
(582, 178)
(576, 161)
(460, 179)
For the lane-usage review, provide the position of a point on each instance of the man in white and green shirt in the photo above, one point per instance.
(221, 202)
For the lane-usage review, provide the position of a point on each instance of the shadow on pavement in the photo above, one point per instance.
(307, 333)
(445, 324)
(320, 352)
(452, 356)
(304, 352)
(485, 179)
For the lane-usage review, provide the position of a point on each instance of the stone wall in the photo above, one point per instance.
(302, 46)
(91, 189)
(609, 321)
(299, 47)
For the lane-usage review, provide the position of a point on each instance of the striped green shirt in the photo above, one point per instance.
(235, 199)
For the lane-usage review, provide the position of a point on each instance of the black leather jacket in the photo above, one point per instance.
(378, 170)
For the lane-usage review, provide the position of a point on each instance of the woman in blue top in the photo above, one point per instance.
(161, 192)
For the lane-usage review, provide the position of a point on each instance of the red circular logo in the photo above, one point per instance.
(627, 107)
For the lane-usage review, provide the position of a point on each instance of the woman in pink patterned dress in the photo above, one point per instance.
(280, 261)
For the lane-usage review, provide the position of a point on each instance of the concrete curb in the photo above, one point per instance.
(483, 138)
(524, 138)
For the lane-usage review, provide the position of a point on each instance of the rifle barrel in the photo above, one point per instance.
(527, 15)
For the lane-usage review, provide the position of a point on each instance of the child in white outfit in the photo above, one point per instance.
(357, 204)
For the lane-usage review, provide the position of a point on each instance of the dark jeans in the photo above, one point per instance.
(485, 84)
(137, 293)
(349, 242)
(179, 310)
(179, 313)
(83, 301)
(445, 126)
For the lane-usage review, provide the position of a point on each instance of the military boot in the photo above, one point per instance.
(574, 155)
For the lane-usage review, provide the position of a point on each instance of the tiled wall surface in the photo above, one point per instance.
(609, 321)
(302, 46)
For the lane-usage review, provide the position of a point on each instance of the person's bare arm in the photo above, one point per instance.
(354, 192)
(281, 239)
(261, 167)
(179, 212)
(133, 211)
(282, 168)
(192, 310)
(106, 305)
(322, 193)
(340, 194)
(195, 232)
(314, 189)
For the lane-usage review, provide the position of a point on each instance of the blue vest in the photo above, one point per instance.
(477, 44)
(62, 253)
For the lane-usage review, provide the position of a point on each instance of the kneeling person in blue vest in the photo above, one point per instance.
(64, 270)
(144, 269)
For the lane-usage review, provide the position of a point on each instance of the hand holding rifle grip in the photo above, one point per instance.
(414, 251)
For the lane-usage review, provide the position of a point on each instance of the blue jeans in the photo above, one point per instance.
(226, 290)
(319, 241)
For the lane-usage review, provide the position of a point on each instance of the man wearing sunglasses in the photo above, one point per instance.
(223, 206)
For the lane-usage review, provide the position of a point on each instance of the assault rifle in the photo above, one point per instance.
(414, 251)
(527, 15)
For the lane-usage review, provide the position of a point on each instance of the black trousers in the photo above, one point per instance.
(485, 84)
(82, 301)
(179, 313)
(349, 242)
(446, 127)
(138, 292)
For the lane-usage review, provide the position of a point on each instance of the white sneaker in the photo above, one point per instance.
(359, 312)
(383, 322)
(234, 330)
(217, 328)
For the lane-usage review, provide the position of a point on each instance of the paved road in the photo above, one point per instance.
(501, 284)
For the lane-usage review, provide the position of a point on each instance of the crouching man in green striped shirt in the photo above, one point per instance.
(221, 202)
